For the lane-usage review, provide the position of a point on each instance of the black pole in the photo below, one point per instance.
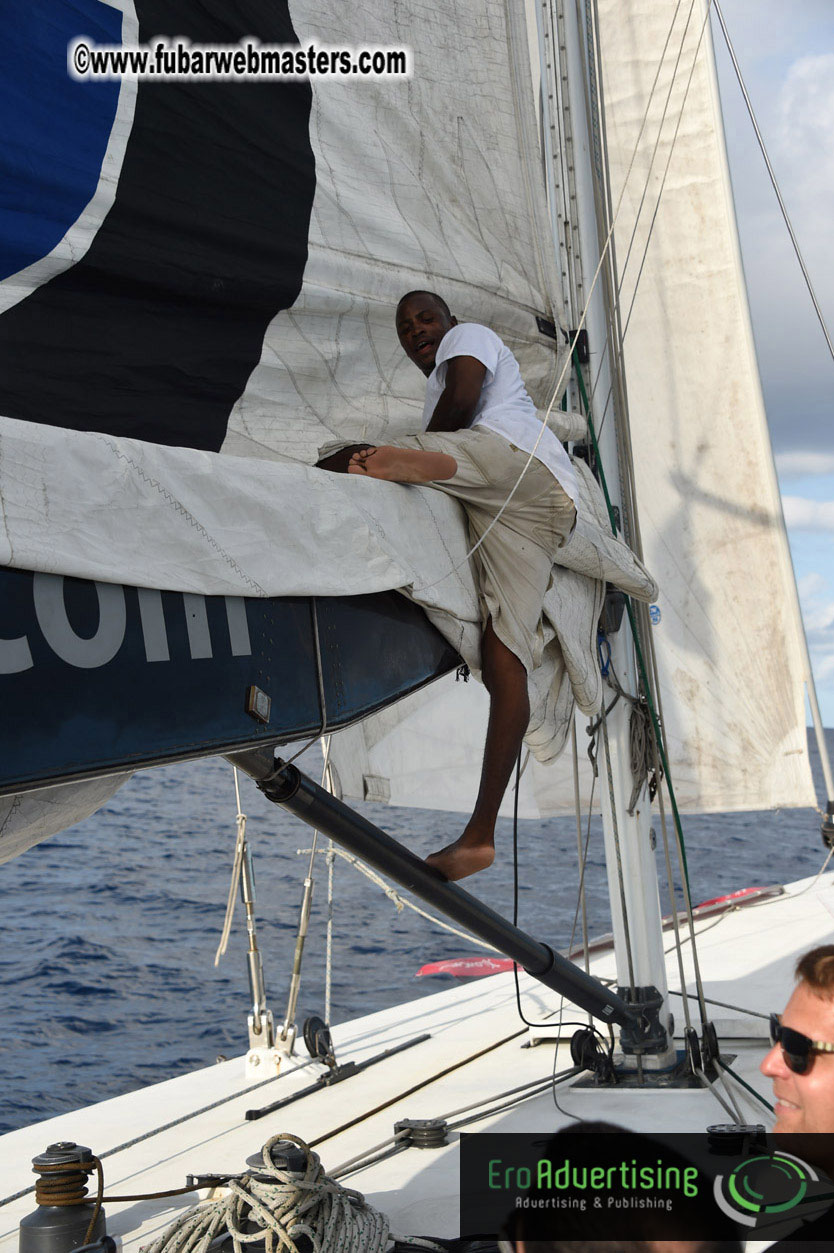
(287, 786)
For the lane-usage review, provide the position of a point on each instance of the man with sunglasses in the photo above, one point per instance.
(801, 1062)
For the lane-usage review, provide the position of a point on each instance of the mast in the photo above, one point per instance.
(571, 106)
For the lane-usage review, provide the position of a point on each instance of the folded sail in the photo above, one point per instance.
(726, 633)
(217, 271)
(198, 282)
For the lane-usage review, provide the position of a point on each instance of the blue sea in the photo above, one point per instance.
(107, 976)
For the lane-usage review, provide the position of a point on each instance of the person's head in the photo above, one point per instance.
(801, 1070)
(422, 319)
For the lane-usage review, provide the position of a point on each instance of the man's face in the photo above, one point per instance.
(421, 324)
(804, 1102)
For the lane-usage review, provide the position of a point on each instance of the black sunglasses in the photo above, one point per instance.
(797, 1050)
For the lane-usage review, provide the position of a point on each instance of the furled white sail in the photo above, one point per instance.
(730, 660)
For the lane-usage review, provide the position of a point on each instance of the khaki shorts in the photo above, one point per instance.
(515, 559)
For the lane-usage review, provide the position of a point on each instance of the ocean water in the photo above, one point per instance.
(107, 975)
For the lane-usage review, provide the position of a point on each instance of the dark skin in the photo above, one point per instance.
(421, 323)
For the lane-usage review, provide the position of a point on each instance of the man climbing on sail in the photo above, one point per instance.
(481, 429)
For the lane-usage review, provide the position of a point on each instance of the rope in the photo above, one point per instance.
(746, 1085)
(618, 852)
(659, 735)
(400, 901)
(640, 738)
(237, 868)
(581, 855)
(292, 1205)
(155, 1131)
(330, 859)
(711, 1087)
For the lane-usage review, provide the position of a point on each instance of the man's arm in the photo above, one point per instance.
(456, 407)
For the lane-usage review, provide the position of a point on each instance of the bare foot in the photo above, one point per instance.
(338, 462)
(402, 465)
(458, 860)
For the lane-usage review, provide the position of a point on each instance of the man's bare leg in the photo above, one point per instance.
(402, 465)
(509, 713)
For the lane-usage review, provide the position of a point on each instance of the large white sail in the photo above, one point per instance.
(728, 647)
(437, 180)
(124, 339)
(731, 664)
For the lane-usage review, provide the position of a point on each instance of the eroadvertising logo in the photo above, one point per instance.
(764, 1186)
(606, 1183)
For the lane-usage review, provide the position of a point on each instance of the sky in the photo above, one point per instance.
(786, 55)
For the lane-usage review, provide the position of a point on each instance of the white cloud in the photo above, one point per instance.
(791, 83)
(806, 117)
(798, 462)
(802, 514)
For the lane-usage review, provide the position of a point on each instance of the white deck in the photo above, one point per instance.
(746, 959)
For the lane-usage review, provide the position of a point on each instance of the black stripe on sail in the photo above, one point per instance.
(154, 332)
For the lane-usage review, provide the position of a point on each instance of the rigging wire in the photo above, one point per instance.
(788, 896)
(619, 284)
(670, 881)
(396, 898)
(739, 1009)
(237, 868)
(758, 1096)
(394, 1144)
(712, 1088)
(655, 210)
(557, 391)
(608, 1045)
(659, 730)
(772, 175)
(666, 169)
(618, 854)
(330, 860)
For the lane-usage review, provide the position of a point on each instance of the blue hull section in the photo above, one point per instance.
(97, 677)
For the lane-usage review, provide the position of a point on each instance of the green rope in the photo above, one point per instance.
(746, 1085)
(635, 634)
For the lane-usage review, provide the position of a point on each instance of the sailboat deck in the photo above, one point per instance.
(477, 1050)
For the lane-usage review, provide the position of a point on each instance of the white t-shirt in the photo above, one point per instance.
(503, 405)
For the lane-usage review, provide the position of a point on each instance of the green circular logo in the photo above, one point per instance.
(769, 1184)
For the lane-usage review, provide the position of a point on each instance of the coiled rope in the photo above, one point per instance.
(282, 1212)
